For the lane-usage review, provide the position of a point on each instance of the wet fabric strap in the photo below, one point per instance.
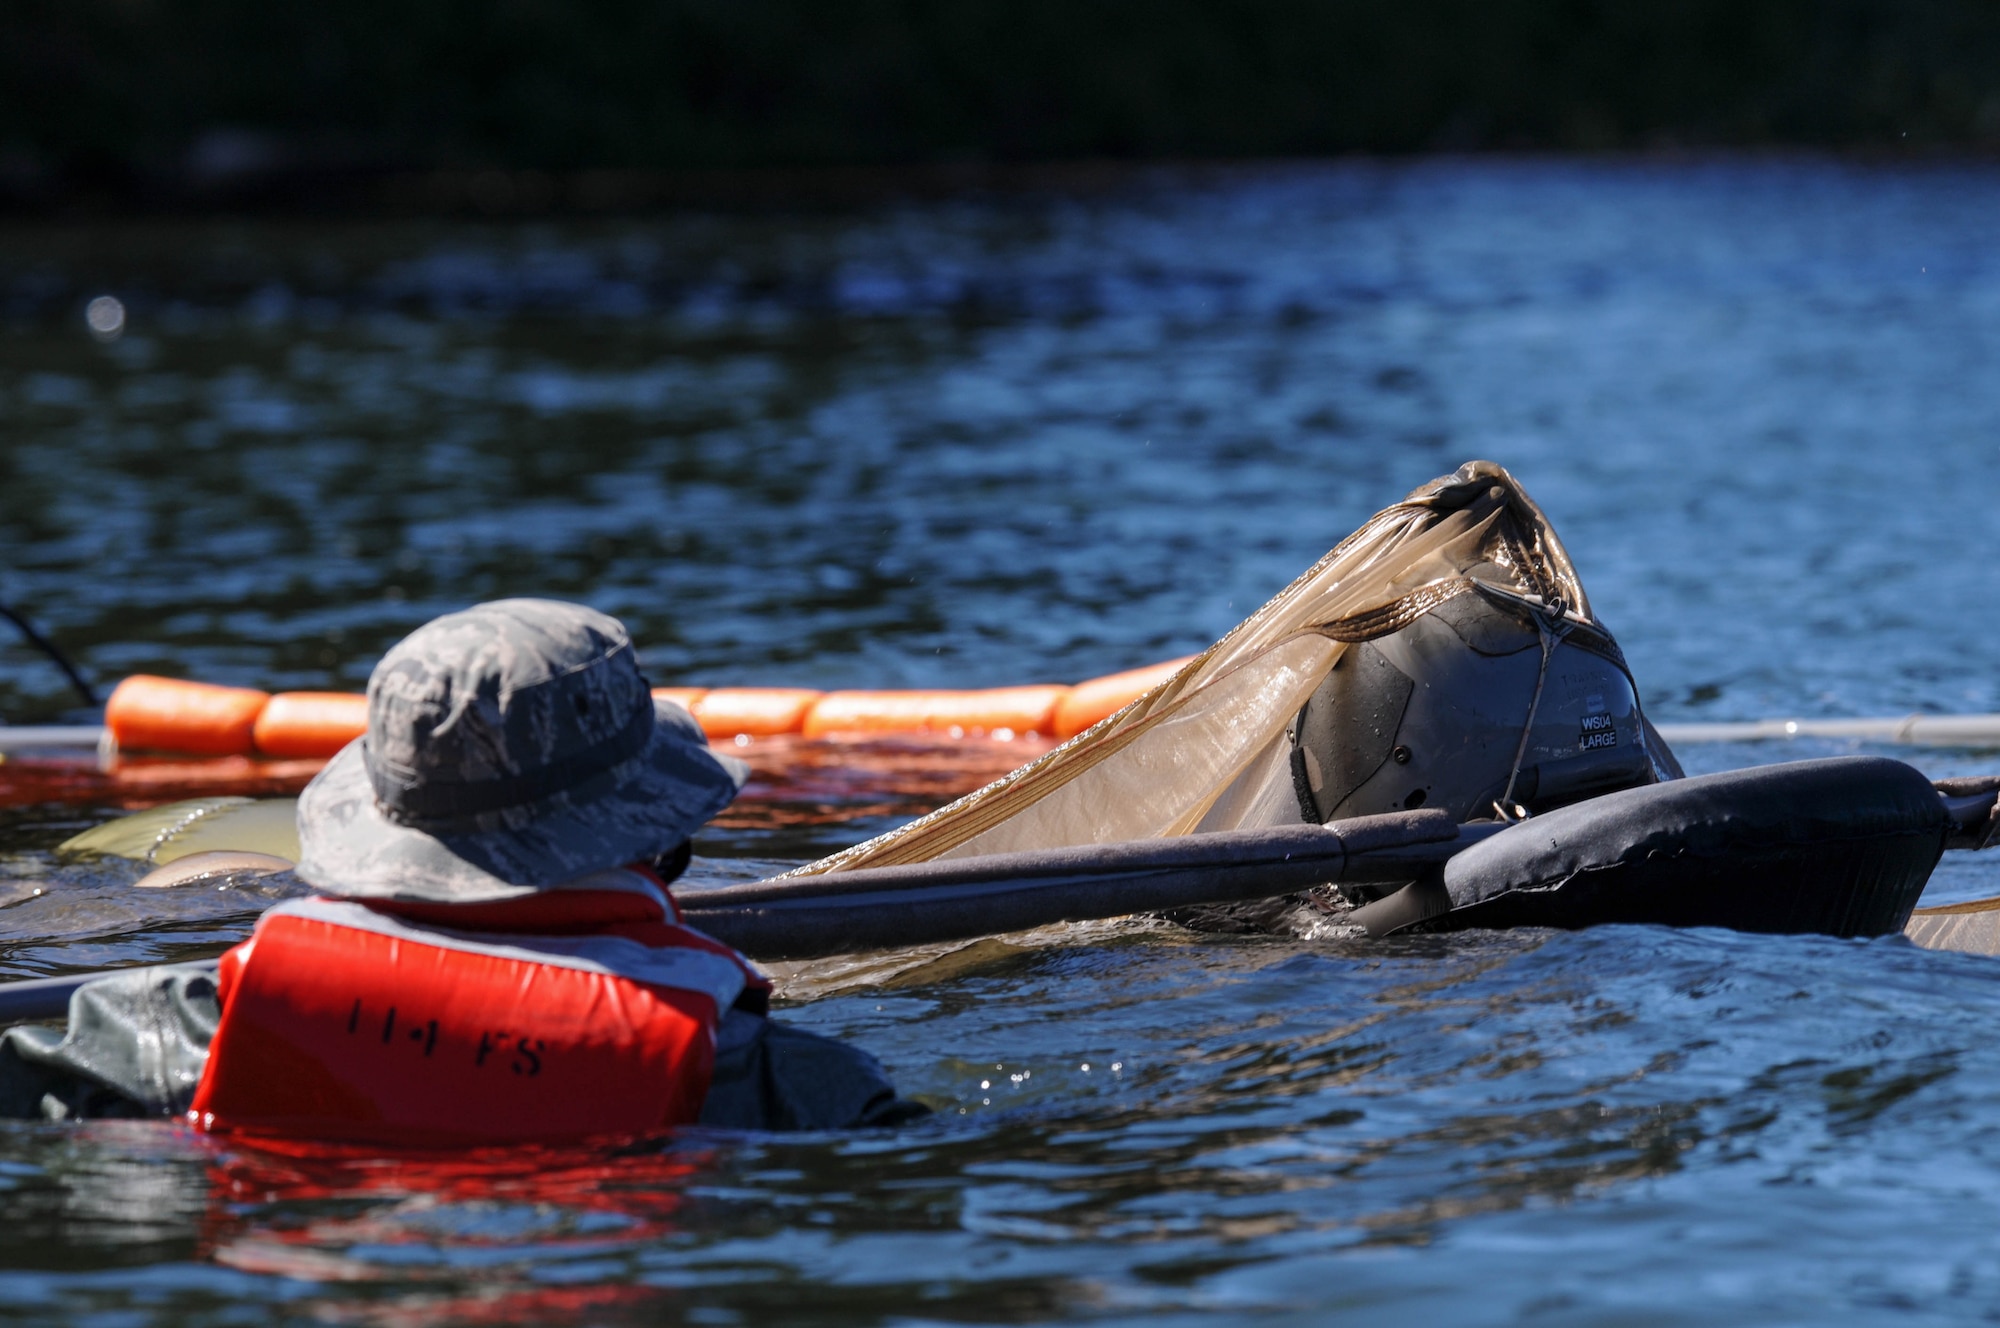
(431, 799)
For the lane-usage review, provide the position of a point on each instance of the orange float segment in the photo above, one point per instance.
(1089, 702)
(684, 697)
(148, 713)
(302, 724)
(1013, 710)
(760, 712)
(866, 712)
(1030, 709)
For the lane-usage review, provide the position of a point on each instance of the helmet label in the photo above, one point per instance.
(1597, 732)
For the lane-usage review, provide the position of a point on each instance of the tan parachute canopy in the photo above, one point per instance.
(1208, 749)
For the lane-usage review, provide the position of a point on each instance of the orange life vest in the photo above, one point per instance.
(584, 1010)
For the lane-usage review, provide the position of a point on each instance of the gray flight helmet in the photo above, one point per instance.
(1488, 705)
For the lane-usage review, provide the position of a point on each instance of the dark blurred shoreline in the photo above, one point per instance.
(603, 106)
(499, 193)
(493, 194)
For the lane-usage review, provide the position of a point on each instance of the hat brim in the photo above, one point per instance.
(633, 813)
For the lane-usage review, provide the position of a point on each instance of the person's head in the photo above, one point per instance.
(510, 747)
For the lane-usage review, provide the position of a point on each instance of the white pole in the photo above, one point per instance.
(1910, 730)
(44, 737)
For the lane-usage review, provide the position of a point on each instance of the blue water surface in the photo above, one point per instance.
(1043, 437)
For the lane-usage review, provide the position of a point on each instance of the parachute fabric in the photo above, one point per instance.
(1208, 749)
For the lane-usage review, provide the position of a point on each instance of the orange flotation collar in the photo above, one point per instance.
(377, 1023)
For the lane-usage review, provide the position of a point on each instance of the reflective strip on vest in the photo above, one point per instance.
(342, 1022)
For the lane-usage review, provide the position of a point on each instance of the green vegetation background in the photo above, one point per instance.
(116, 91)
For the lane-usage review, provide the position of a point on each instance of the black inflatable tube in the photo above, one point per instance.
(888, 907)
(1841, 846)
(1967, 811)
(803, 917)
(37, 999)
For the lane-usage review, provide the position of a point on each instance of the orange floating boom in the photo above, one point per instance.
(993, 712)
(759, 712)
(310, 723)
(1100, 698)
(684, 697)
(196, 718)
(148, 713)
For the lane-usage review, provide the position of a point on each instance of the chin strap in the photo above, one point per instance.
(1552, 624)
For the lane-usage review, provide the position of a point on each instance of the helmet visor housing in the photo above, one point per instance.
(1473, 707)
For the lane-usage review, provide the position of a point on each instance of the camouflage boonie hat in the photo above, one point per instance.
(509, 748)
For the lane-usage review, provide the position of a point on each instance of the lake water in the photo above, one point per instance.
(1040, 438)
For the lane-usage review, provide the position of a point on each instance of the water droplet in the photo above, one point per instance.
(106, 317)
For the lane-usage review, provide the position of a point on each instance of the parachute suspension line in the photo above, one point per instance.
(1552, 626)
(53, 651)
